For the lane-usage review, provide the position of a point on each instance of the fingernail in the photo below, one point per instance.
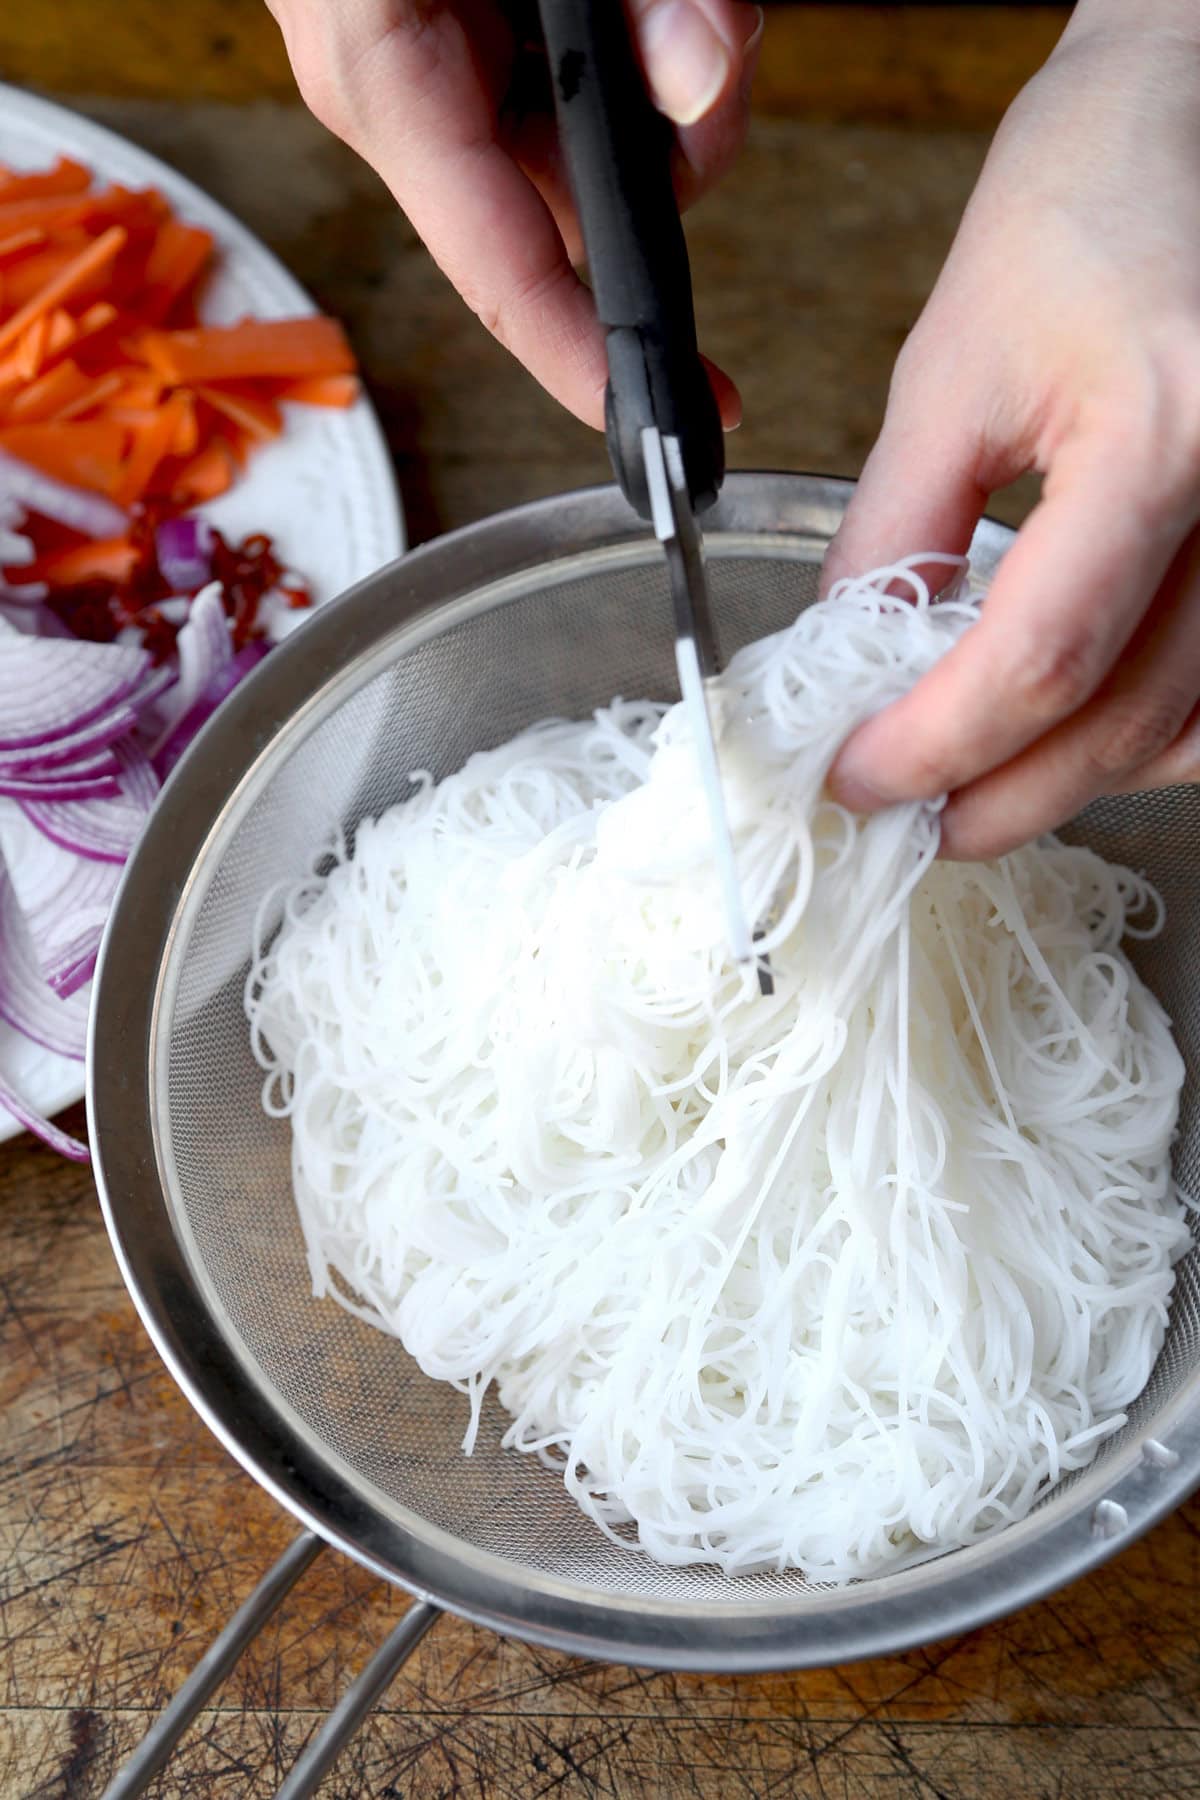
(750, 52)
(687, 63)
(754, 31)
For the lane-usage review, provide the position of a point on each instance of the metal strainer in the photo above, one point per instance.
(554, 608)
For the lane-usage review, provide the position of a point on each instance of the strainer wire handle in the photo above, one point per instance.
(156, 1747)
(317, 1758)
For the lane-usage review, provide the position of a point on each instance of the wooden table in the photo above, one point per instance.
(126, 1535)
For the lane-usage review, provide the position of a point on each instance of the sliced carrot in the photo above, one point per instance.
(98, 256)
(31, 346)
(186, 440)
(174, 264)
(61, 332)
(87, 453)
(29, 274)
(99, 391)
(20, 243)
(152, 442)
(106, 379)
(267, 347)
(46, 397)
(66, 177)
(48, 215)
(256, 417)
(208, 474)
(110, 559)
(320, 390)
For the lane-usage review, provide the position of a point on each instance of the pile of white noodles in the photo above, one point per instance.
(820, 1280)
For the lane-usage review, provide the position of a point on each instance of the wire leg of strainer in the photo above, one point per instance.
(159, 1742)
(137, 1774)
(318, 1757)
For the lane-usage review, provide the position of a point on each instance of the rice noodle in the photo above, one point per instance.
(831, 1279)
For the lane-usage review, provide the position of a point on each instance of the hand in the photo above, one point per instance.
(447, 100)
(1063, 336)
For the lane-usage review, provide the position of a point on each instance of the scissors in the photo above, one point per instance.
(661, 419)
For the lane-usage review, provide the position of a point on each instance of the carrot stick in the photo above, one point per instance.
(173, 265)
(255, 347)
(99, 255)
(320, 390)
(109, 559)
(151, 443)
(66, 177)
(258, 417)
(87, 453)
(31, 346)
(208, 474)
(99, 390)
(46, 397)
(19, 243)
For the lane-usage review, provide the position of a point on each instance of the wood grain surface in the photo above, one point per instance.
(127, 1536)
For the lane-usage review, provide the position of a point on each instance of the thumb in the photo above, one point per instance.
(693, 51)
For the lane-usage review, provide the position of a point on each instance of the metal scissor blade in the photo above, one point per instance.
(695, 657)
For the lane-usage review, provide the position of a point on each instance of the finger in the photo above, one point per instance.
(707, 150)
(416, 99)
(920, 489)
(1065, 602)
(1177, 766)
(1135, 721)
(692, 52)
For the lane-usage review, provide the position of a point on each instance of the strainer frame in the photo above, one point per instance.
(206, 797)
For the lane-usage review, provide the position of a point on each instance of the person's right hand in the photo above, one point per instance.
(448, 102)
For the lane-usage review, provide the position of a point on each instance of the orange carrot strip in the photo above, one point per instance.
(259, 418)
(31, 346)
(45, 397)
(29, 274)
(208, 474)
(151, 443)
(45, 215)
(320, 390)
(178, 255)
(267, 347)
(186, 440)
(87, 453)
(110, 559)
(19, 243)
(66, 177)
(61, 332)
(82, 268)
(100, 389)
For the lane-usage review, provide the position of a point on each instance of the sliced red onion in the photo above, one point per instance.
(92, 765)
(54, 686)
(89, 513)
(204, 647)
(25, 1000)
(184, 550)
(66, 788)
(50, 1135)
(64, 899)
(103, 830)
(89, 745)
(221, 685)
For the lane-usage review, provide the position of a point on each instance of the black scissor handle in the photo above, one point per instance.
(617, 150)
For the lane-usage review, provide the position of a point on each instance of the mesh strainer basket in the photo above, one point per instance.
(551, 609)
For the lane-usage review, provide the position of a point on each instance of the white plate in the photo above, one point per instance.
(325, 491)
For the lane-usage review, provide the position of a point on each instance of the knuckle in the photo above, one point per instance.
(1132, 732)
(1054, 675)
(521, 308)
